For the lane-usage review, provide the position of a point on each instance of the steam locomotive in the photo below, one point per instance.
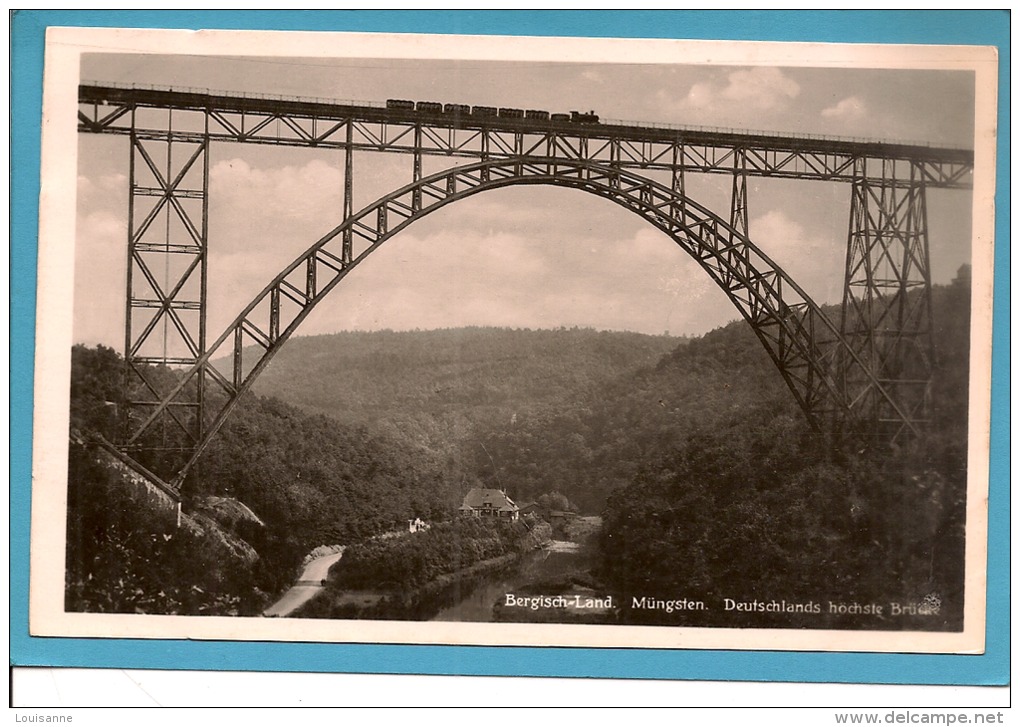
(490, 112)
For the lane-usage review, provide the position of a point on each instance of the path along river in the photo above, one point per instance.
(310, 583)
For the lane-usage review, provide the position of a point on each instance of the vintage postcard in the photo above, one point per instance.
(513, 341)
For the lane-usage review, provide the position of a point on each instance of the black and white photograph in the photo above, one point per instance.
(543, 342)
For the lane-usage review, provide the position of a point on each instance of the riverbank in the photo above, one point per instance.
(385, 580)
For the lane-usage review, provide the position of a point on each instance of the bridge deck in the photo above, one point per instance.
(951, 165)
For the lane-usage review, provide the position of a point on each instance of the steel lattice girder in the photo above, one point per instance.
(334, 125)
(887, 314)
(165, 318)
(801, 341)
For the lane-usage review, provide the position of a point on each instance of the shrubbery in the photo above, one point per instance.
(125, 553)
(412, 560)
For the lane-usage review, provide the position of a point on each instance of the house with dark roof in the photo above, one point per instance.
(485, 502)
(529, 508)
(559, 517)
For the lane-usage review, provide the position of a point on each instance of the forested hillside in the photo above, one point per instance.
(534, 412)
(706, 474)
(310, 480)
(435, 387)
(319, 481)
(597, 444)
(748, 504)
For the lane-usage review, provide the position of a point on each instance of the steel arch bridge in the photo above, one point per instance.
(868, 372)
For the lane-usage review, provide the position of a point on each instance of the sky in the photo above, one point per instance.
(535, 257)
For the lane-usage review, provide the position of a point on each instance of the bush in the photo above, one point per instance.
(411, 560)
(125, 553)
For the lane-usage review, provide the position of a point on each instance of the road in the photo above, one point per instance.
(310, 583)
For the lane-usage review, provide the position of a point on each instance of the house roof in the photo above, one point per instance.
(483, 497)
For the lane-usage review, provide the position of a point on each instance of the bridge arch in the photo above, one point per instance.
(806, 347)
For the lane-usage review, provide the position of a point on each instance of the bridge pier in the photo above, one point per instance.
(166, 289)
(886, 313)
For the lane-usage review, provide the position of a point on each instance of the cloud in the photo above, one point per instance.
(849, 109)
(763, 87)
(103, 191)
(640, 282)
(100, 252)
(814, 263)
(527, 256)
(252, 206)
(755, 89)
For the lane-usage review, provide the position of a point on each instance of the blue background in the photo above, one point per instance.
(923, 27)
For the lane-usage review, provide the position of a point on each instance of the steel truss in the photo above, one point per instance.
(873, 369)
(887, 314)
(369, 128)
(165, 318)
(802, 342)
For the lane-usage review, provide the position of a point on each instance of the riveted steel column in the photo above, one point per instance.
(679, 181)
(738, 209)
(416, 193)
(128, 378)
(204, 284)
(738, 196)
(347, 254)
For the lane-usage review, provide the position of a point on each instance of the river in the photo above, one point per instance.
(468, 595)
(472, 599)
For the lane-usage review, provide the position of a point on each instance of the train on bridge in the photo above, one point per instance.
(489, 112)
